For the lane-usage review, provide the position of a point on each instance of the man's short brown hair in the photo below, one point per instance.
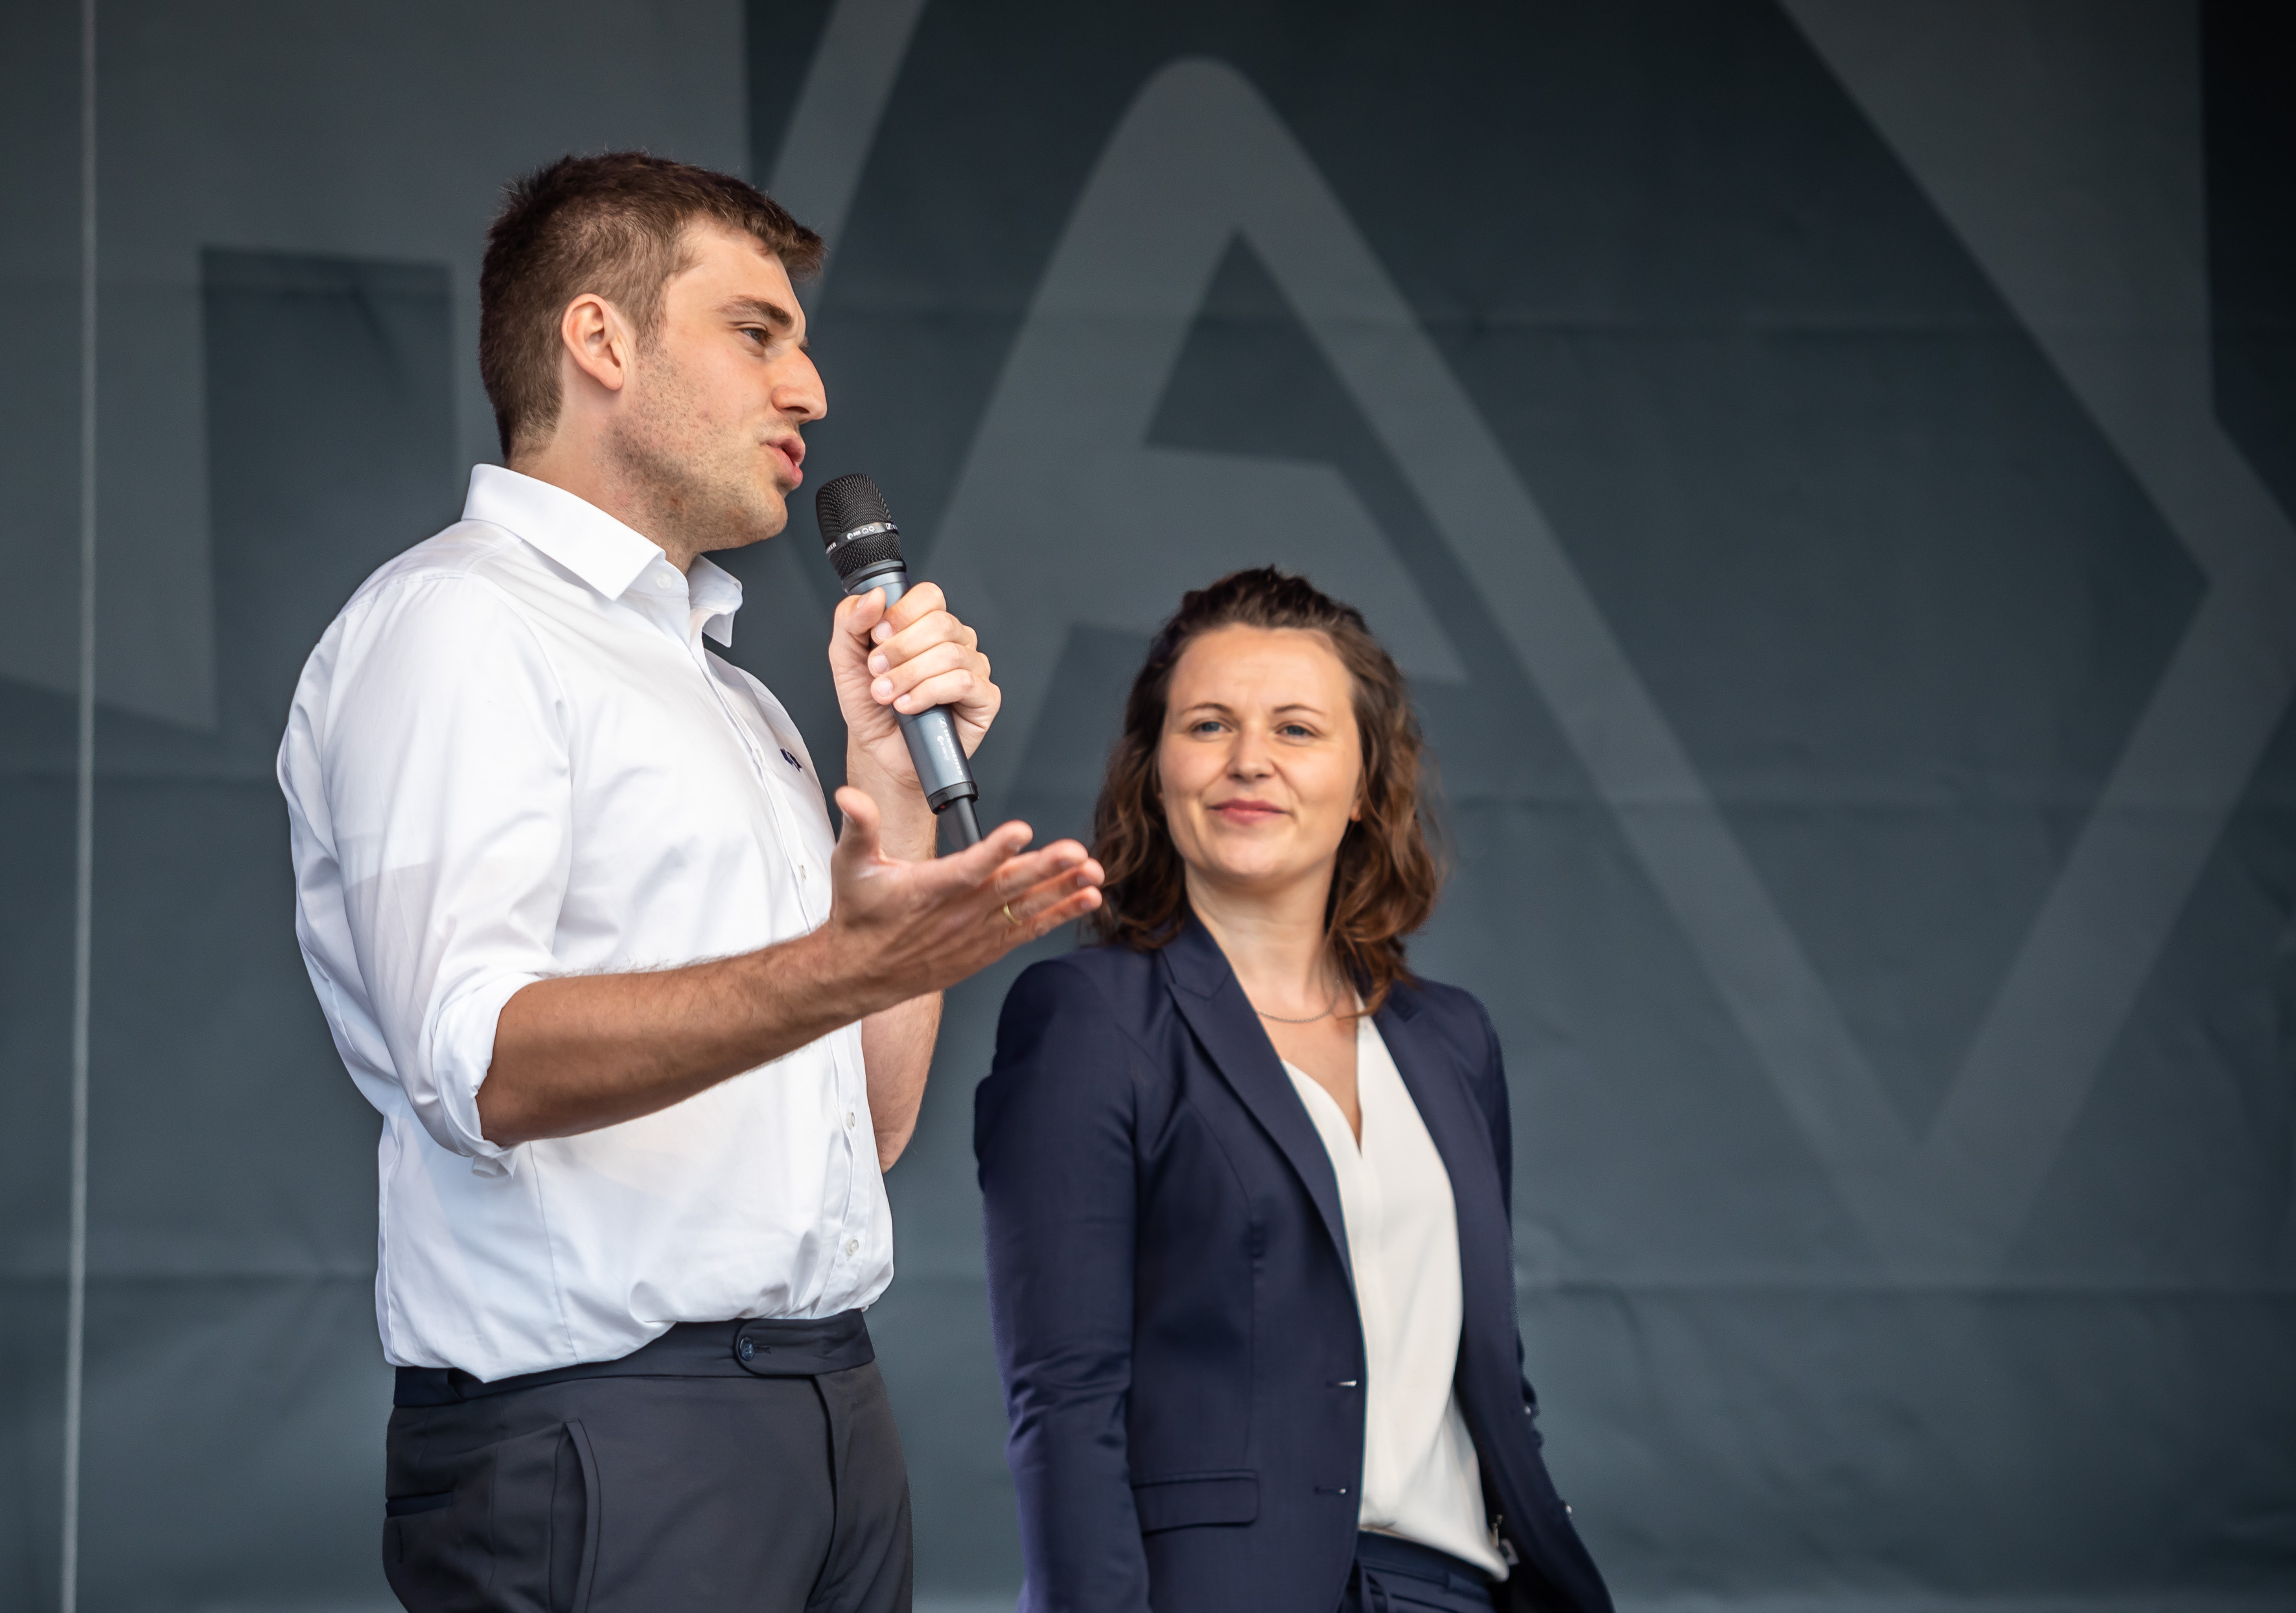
(613, 224)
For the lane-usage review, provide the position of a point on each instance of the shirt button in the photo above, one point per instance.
(802, 873)
(848, 1118)
(853, 1246)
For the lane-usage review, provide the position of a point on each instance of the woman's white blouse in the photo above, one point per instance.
(1420, 1478)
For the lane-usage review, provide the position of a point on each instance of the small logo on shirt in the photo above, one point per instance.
(793, 761)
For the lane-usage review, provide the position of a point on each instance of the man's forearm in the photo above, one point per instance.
(589, 1051)
(896, 1045)
(576, 1053)
(584, 1051)
(907, 826)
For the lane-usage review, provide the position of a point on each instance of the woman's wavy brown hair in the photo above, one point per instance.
(1387, 873)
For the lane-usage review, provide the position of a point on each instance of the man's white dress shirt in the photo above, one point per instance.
(1419, 1477)
(512, 756)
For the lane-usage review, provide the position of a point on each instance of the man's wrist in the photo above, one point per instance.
(828, 967)
(906, 825)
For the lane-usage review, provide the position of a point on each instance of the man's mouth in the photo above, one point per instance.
(792, 450)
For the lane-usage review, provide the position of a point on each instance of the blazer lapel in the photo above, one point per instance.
(1222, 1017)
(1461, 1135)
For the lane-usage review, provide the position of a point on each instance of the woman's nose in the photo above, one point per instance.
(1249, 759)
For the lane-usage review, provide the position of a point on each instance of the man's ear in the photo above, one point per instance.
(597, 340)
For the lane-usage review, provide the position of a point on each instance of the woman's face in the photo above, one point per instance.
(1260, 766)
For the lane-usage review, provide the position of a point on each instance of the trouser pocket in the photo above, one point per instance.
(507, 1528)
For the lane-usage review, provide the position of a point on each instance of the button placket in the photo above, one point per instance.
(741, 729)
(757, 768)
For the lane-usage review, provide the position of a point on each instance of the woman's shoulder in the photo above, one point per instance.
(1095, 1015)
(1452, 1013)
(1094, 967)
(1122, 982)
(1447, 1003)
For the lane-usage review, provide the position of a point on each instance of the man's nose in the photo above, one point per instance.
(798, 391)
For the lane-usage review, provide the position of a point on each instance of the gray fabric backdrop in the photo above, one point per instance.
(1825, 465)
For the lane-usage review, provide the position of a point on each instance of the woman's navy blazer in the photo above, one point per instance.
(1175, 1318)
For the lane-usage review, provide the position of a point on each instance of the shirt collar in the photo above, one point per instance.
(591, 545)
(569, 529)
(715, 593)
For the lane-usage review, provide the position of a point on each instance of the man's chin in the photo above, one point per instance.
(773, 511)
(759, 518)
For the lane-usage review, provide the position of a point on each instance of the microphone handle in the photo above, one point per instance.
(943, 771)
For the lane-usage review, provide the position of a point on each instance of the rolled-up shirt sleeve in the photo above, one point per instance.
(442, 758)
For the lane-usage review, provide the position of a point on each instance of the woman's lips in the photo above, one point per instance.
(1248, 812)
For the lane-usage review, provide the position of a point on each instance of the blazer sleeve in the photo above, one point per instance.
(1491, 1096)
(1491, 1092)
(1053, 1130)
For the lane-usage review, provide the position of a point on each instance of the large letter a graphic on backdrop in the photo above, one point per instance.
(1201, 158)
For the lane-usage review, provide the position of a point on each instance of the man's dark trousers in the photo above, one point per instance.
(747, 1465)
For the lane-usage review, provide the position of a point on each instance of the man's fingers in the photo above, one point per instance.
(860, 614)
(980, 866)
(1068, 910)
(893, 641)
(915, 604)
(955, 688)
(1033, 919)
(1045, 905)
(1020, 876)
(940, 662)
(1063, 889)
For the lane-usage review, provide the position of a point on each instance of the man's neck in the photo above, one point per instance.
(596, 479)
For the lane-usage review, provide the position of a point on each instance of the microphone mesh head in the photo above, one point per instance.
(849, 501)
(847, 505)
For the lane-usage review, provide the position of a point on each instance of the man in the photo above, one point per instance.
(643, 1032)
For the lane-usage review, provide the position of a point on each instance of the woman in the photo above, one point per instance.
(1247, 1180)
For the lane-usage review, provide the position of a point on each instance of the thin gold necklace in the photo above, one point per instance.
(1329, 1008)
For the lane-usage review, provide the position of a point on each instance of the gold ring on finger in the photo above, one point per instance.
(1009, 917)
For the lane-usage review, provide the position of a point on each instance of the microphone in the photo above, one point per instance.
(864, 545)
